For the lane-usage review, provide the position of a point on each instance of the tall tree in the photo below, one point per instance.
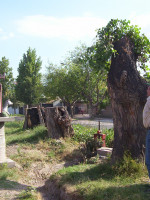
(119, 47)
(92, 81)
(29, 78)
(76, 80)
(8, 82)
(64, 83)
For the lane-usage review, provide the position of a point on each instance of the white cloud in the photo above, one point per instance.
(8, 36)
(142, 21)
(4, 35)
(67, 28)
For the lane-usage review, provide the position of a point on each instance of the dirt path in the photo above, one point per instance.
(34, 176)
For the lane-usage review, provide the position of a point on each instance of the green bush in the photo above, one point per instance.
(128, 166)
(86, 134)
(82, 133)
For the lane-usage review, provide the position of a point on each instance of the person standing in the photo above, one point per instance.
(146, 123)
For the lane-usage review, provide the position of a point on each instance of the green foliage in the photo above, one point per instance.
(92, 83)
(76, 80)
(28, 88)
(29, 194)
(147, 75)
(86, 134)
(82, 133)
(63, 83)
(114, 31)
(8, 82)
(89, 146)
(128, 166)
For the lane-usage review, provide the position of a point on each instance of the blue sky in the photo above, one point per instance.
(55, 27)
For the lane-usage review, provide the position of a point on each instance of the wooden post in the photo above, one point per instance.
(25, 120)
(40, 115)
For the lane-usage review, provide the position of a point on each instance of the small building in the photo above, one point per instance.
(80, 108)
(52, 103)
(13, 111)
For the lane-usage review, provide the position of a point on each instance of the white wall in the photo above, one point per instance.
(11, 110)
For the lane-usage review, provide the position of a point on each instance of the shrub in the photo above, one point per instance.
(128, 166)
(82, 133)
(85, 134)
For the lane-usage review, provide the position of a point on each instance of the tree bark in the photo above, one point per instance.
(71, 108)
(127, 90)
(58, 122)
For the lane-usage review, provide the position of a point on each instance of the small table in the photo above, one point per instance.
(3, 158)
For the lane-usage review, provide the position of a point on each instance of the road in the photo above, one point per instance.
(86, 121)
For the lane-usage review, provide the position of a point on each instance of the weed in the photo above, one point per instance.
(6, 172)
(93, 160)
(26, 158)
(51, 154)
(84, 134)
(128, 166)
(29, 194)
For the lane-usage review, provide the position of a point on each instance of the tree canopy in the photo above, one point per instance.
(8, 82)
(116, 29)
(63, 83)
(28, 88)
(76, 80)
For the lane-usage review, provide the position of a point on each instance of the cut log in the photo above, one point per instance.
(58, 122)
(25, 121)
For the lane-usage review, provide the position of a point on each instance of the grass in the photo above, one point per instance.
(15, 133)
(6, 172)
(122, 181)
(104, 182)
(8, 177)
(29, 194)
(33, 145)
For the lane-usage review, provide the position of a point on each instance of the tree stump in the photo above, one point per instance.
(58, 122)
(32, 118)
(127, 90)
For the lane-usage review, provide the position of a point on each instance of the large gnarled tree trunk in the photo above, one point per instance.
(127, 90)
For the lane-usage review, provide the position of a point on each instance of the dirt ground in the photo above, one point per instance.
(33, 177)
